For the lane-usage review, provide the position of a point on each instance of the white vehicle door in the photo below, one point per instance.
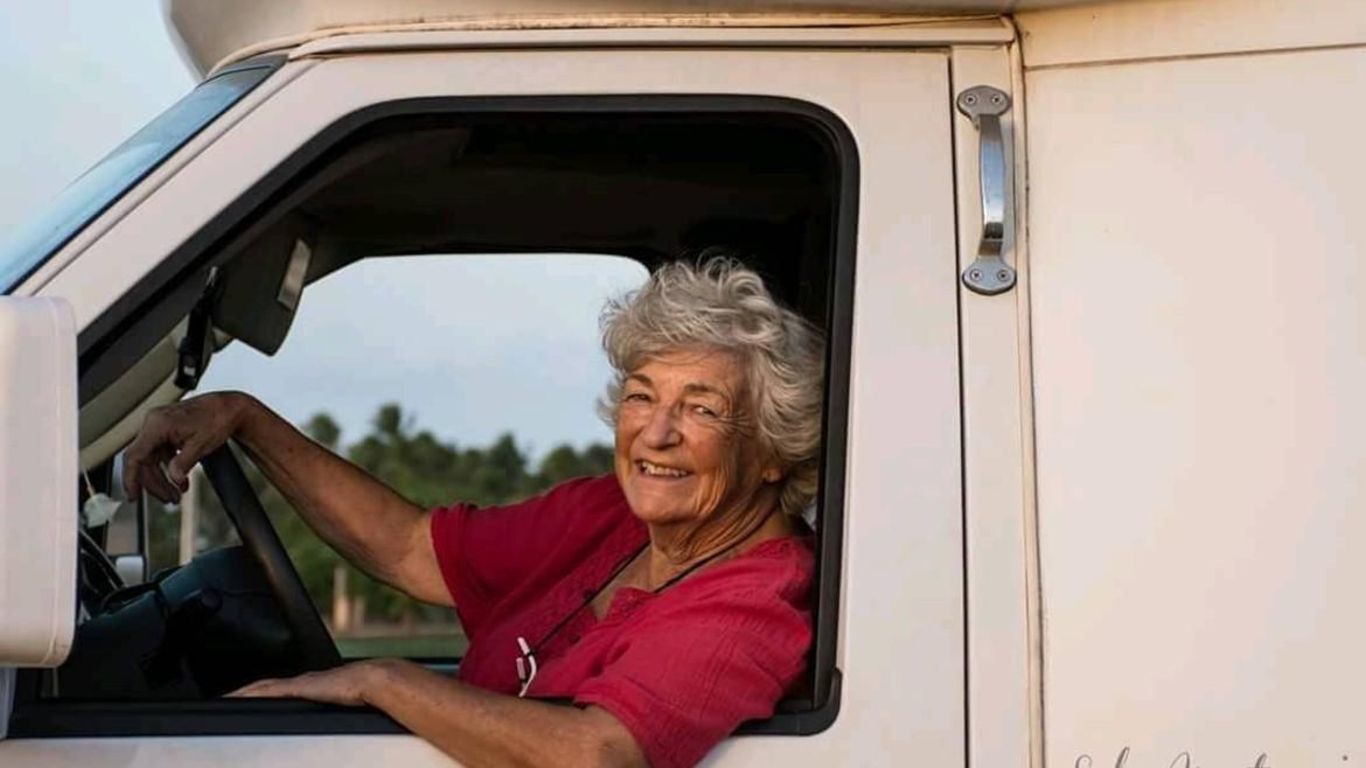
(887, 684)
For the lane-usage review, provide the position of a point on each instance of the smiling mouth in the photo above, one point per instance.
(650, 469)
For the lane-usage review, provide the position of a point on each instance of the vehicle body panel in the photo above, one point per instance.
(1201, 470)
(211, 34)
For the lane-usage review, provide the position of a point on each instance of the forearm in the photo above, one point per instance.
(371, 526)
(480, 728)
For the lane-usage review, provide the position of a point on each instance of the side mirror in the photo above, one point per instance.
(38, 494)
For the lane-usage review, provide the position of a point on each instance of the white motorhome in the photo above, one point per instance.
(1094, 484)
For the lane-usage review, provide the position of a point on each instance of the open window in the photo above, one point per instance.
(536, 187)
(449, 377)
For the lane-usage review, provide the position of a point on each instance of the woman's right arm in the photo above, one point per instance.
(371, 526)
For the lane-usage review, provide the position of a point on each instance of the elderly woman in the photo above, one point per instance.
(668, 601)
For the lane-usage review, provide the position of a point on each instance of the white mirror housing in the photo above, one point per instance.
(38, 487)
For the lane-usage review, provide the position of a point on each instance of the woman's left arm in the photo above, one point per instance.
(473, 726)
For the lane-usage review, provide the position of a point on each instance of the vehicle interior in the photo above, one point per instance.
(768, 186)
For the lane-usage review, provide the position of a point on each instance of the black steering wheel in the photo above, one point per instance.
(315, 645)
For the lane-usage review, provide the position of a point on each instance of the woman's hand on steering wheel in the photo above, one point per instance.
(174, 437)
(177, 437)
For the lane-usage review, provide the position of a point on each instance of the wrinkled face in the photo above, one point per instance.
(682, 452)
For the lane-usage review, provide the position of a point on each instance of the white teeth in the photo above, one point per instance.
(657, 470)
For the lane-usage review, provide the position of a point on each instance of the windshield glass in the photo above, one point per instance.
(26, 249)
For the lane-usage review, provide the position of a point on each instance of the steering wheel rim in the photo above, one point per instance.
(225, 474)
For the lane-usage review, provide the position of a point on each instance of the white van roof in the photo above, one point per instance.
(209, 32)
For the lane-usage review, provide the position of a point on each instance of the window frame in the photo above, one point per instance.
(130, 326)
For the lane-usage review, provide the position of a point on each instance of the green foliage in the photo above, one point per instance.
(324, 429)
(420, 467)
(564, 463)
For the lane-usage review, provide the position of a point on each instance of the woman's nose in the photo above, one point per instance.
(661, 430)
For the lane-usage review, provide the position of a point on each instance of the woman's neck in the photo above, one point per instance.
(673, 550)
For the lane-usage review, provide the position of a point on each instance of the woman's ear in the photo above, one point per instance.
(772, 474)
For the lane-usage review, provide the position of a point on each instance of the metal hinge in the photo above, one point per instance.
(989, 273)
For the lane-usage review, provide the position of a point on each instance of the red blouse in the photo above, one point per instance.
(680, 669)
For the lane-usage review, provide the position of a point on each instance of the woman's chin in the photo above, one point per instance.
(661, 500)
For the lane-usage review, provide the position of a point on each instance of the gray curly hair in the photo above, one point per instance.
(720, 304)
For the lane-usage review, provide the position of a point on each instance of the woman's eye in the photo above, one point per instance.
(635, 397)
(703, 410)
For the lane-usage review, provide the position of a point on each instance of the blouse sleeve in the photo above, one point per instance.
(680, 686)
(485, 552)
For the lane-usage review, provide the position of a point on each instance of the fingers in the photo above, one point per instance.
(269, 688)
(136, 456)
(304, 686)
(172, 439)
(142, 469)
(345, 685)
(179, 466)
(153, 477)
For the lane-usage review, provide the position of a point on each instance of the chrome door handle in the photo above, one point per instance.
(989, 273)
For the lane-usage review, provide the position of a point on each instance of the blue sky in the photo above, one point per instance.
(471, 346)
